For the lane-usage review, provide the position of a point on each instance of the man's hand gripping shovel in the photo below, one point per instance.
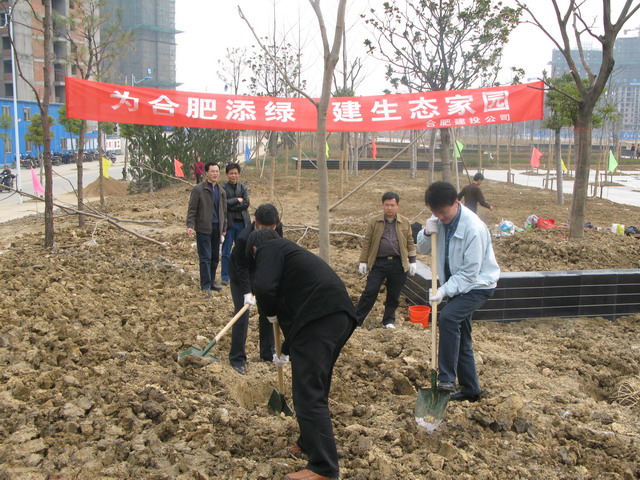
(432, 402)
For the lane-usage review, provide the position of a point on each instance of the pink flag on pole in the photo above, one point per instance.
(177, 165)
(374, 149)
(535, 157)
(37, 186)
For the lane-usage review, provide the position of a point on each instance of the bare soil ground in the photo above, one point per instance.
(90, 331)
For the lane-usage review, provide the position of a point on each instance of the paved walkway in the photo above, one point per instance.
(628, 193)
(64, 181)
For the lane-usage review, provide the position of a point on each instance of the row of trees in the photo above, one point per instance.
(426, 45)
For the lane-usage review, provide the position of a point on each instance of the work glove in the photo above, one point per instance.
(362, 268)
(431, 226)
(280, 361)
(437, 297)
(413, 268)
(250, 300)
(273, 319)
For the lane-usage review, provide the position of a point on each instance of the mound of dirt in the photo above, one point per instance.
(110, 187)
(91, 330)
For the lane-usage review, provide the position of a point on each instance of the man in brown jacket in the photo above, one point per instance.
(207, 217)
(388, 253)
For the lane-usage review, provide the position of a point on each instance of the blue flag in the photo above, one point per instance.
(247, 153)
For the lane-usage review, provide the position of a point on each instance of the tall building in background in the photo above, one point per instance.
(29, 47)
(623, 89)
(151, 60)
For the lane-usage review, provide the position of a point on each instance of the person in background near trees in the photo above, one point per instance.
(468, 274)
(207, 217)
(241, 272)
(473, 195)
(237, 214)
(388, 252)
(198, 169)
(301, 292)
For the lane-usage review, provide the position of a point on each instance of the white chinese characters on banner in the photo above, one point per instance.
(203, 108)
(125, 99)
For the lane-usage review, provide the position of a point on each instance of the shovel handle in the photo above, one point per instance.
(434, 305)
(278, 342)
(226, 327)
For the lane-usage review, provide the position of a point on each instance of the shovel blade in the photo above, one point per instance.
(196, 352)
(431, 405)
(277, 404)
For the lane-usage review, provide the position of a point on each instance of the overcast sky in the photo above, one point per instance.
(210, 27)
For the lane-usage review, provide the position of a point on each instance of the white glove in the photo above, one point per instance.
(250, 300)
(273, 319)
(437, 298)
(413, 268)
(221, 239)
(280, 361)
(431, 226)
(362, 268)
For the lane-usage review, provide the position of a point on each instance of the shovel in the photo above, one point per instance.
(432, 402)
(205, 353)
(277, 403)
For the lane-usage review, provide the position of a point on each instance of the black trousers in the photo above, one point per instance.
(391, 270)
(209, 254)
(240, 329)
(313, 353)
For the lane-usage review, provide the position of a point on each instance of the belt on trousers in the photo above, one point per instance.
(392, 257)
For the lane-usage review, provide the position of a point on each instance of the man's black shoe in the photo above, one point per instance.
(447, 386)
(459, 396)
(241, 369)
(216, 288)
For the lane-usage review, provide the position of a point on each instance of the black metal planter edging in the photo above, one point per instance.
(572, 293)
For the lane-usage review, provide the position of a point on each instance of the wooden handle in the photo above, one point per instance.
(232, 321)
(278, 342)
(434, 305)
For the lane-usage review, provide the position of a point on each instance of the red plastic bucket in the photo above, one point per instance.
(420, 314)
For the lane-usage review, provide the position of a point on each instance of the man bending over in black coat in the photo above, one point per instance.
(306, 297)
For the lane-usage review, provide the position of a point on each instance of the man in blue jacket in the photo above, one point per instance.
(468, 274)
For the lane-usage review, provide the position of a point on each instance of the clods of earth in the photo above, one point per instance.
(91, 330)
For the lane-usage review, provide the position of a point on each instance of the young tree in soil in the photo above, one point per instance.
(445, 45)
(331, 55)
(574, 30)
(96, 40)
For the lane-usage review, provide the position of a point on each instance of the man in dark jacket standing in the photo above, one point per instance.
(473, 195)
(237, 214)
(241, 273)
(207, 217)
(306, 297)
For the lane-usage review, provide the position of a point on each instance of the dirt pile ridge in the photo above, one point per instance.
(90, 332)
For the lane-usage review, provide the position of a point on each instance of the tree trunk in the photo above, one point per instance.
(100, 173)
(445, 158)
(583, 127)
(432, 156)
(414, 154)
(46, 132)
(80, 190)
(559, 172)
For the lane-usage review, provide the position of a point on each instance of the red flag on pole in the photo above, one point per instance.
(177, 165)
(535, 157)
(374, 149)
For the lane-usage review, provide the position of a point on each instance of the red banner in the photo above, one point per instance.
(411, 111)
